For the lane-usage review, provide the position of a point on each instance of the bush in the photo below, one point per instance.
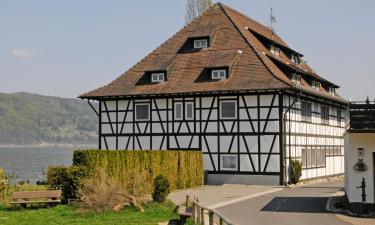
(161, 189)
(6, 187)
(183, 169)
(67, 179)
(295, 171)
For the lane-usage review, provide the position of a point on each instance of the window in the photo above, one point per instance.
(275, 50)
(313, 158)
(200, 43)
(295, 59)
(228, 110)
(338, 117)
(157, 77)
(142, 112)
(189, 110)
(229, 162)
(324, 113)
(296, 78)
(178, 111)
(219, 74)
(332, 91)
(316, 85)
(306, 111)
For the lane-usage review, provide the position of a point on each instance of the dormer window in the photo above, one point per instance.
(201, 43)
(157, 77)
(316, 85)
(295, 59)
(332, 91)
(219, 74)
(275, 50)
(296, 78)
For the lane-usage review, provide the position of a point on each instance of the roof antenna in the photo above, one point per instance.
(272, 22)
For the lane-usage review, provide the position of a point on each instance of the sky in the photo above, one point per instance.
(65, 48)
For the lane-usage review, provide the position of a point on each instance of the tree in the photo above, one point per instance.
(195, 8)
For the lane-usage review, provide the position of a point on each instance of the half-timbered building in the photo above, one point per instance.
(230, 87)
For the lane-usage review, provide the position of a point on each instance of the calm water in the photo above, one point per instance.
(28, 163)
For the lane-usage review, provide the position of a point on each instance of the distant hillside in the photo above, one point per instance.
(28, 119)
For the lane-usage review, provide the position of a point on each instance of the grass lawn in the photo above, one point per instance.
(65, 214)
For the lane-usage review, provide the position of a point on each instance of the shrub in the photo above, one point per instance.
(67, 179)
(161, 189)
(6, 187)
(102, 193)
(183, 169)
(295, 171)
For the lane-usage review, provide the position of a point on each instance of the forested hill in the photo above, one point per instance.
(29, 119)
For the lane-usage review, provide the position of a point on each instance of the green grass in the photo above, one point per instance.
(65, 214)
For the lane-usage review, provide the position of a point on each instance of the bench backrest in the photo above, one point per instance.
(37, 194)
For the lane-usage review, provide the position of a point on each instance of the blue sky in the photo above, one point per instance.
(64, 48)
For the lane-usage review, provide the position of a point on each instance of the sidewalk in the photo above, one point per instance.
(219, 196)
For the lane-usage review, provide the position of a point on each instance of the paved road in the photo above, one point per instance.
(303, 205)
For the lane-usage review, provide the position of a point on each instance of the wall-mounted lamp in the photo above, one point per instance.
(360, 165)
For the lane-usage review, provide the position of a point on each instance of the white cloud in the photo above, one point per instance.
(24, 53)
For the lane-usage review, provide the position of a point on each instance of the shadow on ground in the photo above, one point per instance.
(297, 205)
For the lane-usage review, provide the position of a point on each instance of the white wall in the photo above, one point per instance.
(353, 178)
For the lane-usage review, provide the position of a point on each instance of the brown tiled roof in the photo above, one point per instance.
(250, 64)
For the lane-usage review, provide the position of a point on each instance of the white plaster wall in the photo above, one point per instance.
(353, 178)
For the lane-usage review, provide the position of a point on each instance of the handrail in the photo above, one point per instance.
(199, 215)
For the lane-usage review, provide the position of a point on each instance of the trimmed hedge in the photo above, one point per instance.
(183, 169)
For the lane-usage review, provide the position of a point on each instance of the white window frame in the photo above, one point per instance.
(219, 74)
(155, 77)
(316, 85)
(221, 109)
(296, 78)
(275, 50)
(186, 111)
(295, 59)
(175, 111)
(135, 109)
(200, 43)
(222, 163)
(332, 91)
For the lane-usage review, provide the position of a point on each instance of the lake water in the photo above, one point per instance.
(30, 163)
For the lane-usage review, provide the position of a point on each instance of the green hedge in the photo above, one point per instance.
(183, 169)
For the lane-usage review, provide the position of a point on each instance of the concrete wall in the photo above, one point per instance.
(353, 178)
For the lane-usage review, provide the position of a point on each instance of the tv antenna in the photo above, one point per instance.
(272, 22)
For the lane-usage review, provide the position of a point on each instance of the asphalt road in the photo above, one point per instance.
(303, 205)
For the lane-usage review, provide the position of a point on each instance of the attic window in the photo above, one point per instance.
(157, 77)
(219, 74)
(201, 43)
(295, 59)
(296, 78)
(332, 91)
(275, 50)
(316, 85)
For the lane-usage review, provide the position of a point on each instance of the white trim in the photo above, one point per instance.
(156, 77)
(175, 111)
(235, 109)
(186, 111)
(200, 43)
(219, 74)
(135, 109)
(222, 164)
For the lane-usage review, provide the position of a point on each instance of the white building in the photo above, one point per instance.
(228, 86)
(360, 154)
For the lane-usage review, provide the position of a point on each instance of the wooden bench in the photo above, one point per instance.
(185, 213)
(29, 197)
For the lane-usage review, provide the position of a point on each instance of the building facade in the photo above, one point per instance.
(360, 156)
(231, 88)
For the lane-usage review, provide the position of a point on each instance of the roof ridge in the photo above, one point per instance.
(251, 46)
